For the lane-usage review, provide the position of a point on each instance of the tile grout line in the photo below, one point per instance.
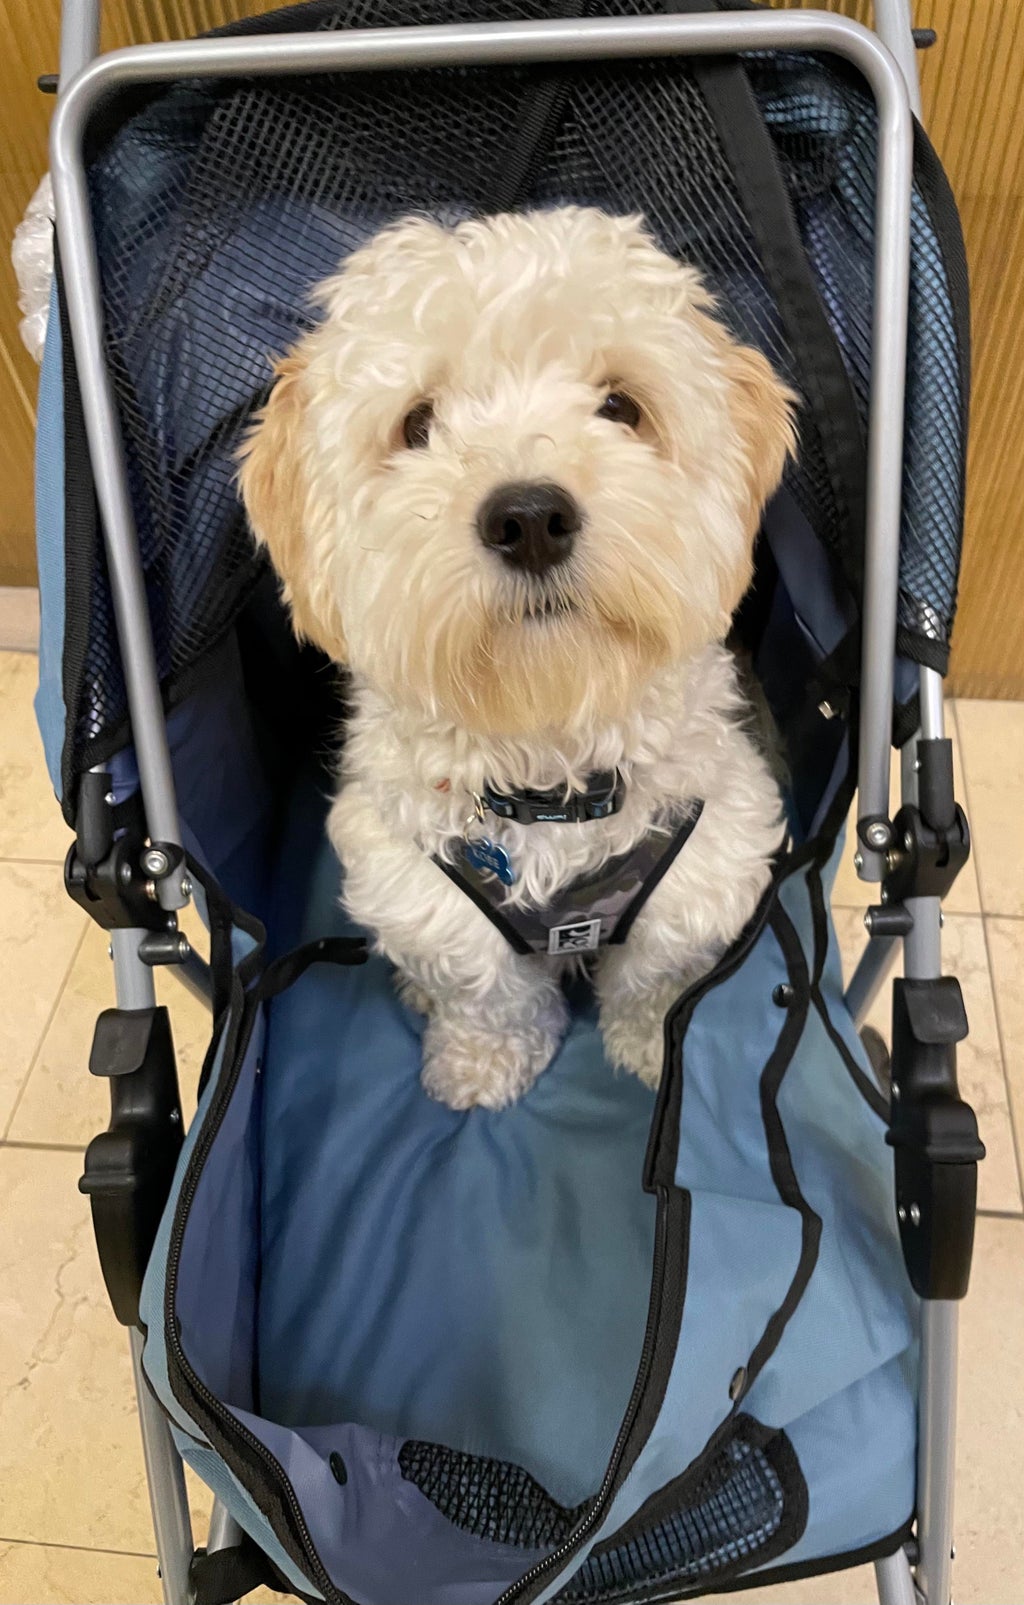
(46, 1026)
(1017, 1145)
(1000, 1038)
(41, 1147)
(949, 913)
(39, 863)
(78, 1549)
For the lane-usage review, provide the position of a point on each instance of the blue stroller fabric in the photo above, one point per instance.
(367, 1278)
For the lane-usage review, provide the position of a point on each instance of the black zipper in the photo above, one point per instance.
(514, 1594)
(219, 1411)
(566, 1550)
(675, 1023)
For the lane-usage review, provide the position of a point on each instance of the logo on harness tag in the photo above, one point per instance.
(580, 938)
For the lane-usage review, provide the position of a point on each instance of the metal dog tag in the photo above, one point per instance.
(489, 859)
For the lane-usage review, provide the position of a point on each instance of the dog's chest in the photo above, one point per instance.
(581, 912)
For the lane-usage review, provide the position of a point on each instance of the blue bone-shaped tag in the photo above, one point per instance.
(490, 859)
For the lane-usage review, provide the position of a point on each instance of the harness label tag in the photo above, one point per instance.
(581, 937)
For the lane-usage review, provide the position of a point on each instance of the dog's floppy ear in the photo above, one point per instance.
(274, 483)
(762, 411)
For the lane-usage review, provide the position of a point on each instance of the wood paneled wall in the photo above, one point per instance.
(30, 32)
(973, 86)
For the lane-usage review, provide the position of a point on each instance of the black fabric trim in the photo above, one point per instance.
(906, 721)
(923, 649)
(779, 1158)
(665, 1318)
(766, 205)
(675, 1495)
(934, 188)
(223, 915)
(258, 1471)
(813, 1568)
(544, 104)
(663, 1142)
(819, 922)
(661, 1339)
(871, 1093)
(699, 1483)
(286, 970)
(225, 1575)
(662, 1149)
(81, 547)
(495, 916)
(661, 868)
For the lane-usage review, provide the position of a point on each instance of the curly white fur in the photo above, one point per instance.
(515, 328)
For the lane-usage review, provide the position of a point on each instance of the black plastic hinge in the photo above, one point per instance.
(106, 872)
(48, 83)
(130, 1166)
(931, 842)
(934, 1134)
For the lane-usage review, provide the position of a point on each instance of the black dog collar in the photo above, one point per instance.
(601, 798)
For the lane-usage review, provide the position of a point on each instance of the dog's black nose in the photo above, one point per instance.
(532, 526)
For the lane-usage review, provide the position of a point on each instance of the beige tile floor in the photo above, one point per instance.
(74, 1522)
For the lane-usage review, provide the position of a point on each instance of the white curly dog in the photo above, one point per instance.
(513, 481)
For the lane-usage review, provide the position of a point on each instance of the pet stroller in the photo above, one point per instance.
(602, 1346)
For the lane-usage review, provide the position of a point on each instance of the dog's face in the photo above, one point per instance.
(517, 468)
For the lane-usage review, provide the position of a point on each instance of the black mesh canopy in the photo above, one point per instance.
(220, 204)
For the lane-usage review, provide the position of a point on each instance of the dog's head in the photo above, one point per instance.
(518, 468)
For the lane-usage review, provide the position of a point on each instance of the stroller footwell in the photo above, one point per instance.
(476, 1280)
(431, 1321)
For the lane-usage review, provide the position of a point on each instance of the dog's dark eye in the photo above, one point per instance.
(620, 408)
(416, 425)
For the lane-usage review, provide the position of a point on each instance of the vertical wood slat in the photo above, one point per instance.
(971, 84)
(30, 38)
(31, 34)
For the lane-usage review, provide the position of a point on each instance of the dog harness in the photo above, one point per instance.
(595, 910)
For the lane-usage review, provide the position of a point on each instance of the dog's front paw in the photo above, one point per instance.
(413, 995)
(465, 1065)
(634, 1041)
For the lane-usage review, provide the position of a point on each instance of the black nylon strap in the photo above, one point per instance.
(507, 929)
(541, 112)
(657, 874)
(821, 373)
(285, 971)
(230, 1574)
(223, 916)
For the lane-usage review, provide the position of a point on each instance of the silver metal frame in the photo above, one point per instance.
(165, 1474)
(887, 61)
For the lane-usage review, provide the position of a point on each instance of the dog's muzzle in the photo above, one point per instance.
(531, 525)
